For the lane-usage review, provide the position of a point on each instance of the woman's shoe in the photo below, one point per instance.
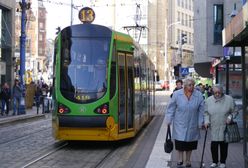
(188, 165)
(222, 165)
(179, 164)
(213, 165)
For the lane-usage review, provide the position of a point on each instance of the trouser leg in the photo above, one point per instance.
(2, 109)
(214, 151)
(14, 105)
(7, 107)
(223, 151)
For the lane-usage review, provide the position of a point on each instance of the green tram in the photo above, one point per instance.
(103, 85)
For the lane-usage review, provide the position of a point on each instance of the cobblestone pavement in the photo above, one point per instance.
(30, 144)
(23, 142)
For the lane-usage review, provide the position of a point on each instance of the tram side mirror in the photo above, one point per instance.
(132, 48)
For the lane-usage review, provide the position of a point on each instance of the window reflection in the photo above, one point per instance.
(84, 68)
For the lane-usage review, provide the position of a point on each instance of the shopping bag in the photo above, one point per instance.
(168, 144)
(231, 133)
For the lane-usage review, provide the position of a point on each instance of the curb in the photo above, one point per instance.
(20, 118)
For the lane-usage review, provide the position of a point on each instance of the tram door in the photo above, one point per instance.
(126, 92)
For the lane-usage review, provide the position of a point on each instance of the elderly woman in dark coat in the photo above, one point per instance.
(185, 111)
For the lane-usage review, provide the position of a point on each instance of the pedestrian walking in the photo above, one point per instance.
(218, 112)
(5, 98)
(38, 99)
(17, 94)
(185, 111)
(179, 85)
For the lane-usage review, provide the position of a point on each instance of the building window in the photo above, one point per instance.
(41, 25)
(186, 20)
(178, 35)
(190, 8)
(182, 18)
(144, 34)
(40, 37)
(178, 2)
(218, 23)
(40, 51)
(190, 36)
(190, 20)
(178, 16)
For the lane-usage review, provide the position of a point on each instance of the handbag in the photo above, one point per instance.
(231, 133)
(168, 144)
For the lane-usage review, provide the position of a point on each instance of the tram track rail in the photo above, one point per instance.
(61, 145)
(66, 148)
(22, 136)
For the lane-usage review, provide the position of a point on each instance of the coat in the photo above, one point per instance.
(186, 115)
(216, 113)
(5, 94)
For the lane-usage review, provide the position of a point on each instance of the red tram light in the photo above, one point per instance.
(63, 109)
(103, 109)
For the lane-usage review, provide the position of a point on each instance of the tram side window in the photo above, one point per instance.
(113, 74)
(113, 79)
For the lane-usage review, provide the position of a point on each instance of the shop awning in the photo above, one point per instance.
(203, 69)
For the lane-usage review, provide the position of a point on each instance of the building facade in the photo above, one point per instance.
(42, 63)
(156, 36)
(210, 17)
(179, 34)
(7, 36)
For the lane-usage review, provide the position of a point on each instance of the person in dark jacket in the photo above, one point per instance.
(179, 85)
(17, 94)
(5, 95)
(38, 97)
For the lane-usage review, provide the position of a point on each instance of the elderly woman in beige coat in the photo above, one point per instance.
(218, 110)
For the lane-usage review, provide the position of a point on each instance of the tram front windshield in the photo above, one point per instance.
(84, 63)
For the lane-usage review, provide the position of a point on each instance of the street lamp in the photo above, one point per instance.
(24, 6)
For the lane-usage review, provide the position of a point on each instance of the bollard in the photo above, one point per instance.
(43, 110)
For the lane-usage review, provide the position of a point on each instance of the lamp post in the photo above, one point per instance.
(24, 6)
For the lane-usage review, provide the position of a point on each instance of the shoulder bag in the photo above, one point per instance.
(231, 133)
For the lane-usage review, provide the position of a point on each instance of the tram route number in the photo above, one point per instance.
(81, 97)
(86, 15)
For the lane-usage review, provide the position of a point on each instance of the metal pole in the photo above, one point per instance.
(22, 55)
(181, 58)
(71, 11)
(22, 42)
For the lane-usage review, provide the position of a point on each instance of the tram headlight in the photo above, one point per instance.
(103, 109)
(63, 109)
